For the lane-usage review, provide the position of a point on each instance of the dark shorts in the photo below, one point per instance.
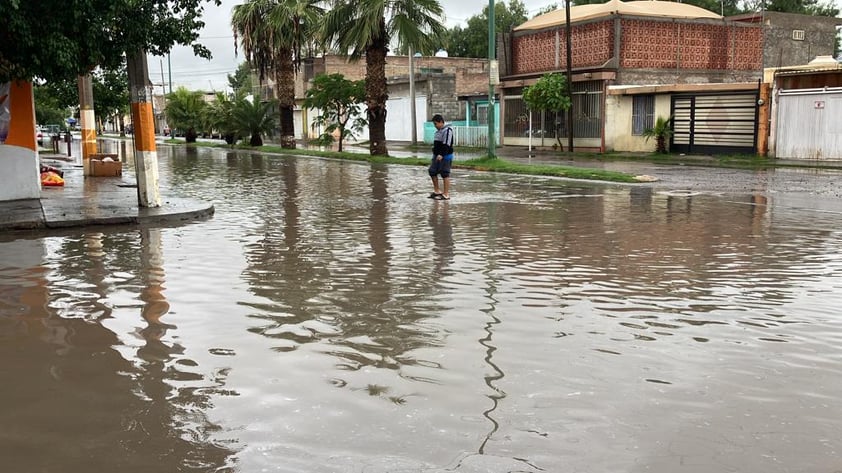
(441, 167)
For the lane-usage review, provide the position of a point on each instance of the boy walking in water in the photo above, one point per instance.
(442, 158)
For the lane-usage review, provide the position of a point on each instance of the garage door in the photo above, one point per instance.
(711, 124)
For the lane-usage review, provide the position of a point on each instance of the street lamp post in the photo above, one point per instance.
(492, 69)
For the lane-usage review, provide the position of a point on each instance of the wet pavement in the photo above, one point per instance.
(330, 318)
(113, 200)
(85, 201)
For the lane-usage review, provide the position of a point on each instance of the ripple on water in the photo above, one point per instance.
(334, 309)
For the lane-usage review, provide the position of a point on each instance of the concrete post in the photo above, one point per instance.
(18, 150)
(87, 120)
(143, 121)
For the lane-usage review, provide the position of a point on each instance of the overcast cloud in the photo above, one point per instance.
(200, 74)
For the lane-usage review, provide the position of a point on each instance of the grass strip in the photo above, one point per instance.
(479, 164)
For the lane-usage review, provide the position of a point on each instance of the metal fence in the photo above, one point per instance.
(471, 136)
(587, 115)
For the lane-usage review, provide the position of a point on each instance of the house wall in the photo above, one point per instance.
(781, 50)
(701, 45)
(546, 50)
(650, 50)
(618, 123)
(470, 75)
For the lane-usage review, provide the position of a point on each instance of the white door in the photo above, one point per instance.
(808, 124)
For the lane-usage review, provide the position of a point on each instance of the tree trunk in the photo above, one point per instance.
(256, 140)
(661, 144)
(286, 99)
(375, 91)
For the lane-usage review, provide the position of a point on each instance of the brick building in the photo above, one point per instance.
(634, 61)
(446, 85)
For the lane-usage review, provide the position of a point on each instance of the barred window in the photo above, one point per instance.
(643, 113)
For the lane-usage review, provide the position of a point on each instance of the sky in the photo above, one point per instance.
(196, 73)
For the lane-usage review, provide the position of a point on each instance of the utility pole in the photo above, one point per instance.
(146, 153)
(569, 76)
(414, 134)
(169, 70)
(87, 119)
(492, 68)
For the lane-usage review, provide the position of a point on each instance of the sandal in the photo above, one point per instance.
(442, 197)
(433, 195)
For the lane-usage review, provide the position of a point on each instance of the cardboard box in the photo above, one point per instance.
(106, 168)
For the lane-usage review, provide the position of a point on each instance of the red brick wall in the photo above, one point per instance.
(593, 44)
(533, 53)
(645, 44)
(648, 44)
(667, 45)
(471, 74)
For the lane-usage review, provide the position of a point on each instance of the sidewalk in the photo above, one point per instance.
(86, 201)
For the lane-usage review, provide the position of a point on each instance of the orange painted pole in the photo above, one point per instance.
(143, 121)
(18, 148)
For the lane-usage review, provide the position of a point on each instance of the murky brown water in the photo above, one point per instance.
(330, 318)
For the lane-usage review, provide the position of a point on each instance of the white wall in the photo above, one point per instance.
(618, 123)
(398, 120)
(19, 169)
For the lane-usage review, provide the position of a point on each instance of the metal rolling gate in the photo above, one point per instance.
(714, 123)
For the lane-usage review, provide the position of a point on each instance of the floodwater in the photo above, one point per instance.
(331, 318)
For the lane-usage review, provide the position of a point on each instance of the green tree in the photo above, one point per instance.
(660, 131)
(273, 34)
(185, 112)
(241, 80)
(111, 94)
(549, 94)
(219, 116)
(805, 7)
(549, 8)
(366, 28)
(339, 100)
(472, 41)
(254, 119)
(55, 101)
(49, 109)
(56, 40)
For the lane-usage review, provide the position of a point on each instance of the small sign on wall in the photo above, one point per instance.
(818, 104)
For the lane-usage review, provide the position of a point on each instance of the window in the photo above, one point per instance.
(643, 113)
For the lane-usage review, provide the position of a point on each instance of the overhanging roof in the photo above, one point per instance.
(656, 8)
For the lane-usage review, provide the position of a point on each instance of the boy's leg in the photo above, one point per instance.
(435, 184)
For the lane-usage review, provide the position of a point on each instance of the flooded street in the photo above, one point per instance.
(331, 318)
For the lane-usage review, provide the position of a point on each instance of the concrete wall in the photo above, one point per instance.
(470, 75)
(618, 123)
(780, 49)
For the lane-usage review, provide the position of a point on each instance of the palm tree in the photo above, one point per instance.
(252, 118)
(185, 112)
(366, 28)
(273, 33)
(661, 131)
(218, 116)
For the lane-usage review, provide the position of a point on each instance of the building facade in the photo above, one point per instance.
(635, 61)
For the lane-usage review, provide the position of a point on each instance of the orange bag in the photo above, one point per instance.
(50, 178)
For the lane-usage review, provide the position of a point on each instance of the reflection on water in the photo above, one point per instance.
(331, 318)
